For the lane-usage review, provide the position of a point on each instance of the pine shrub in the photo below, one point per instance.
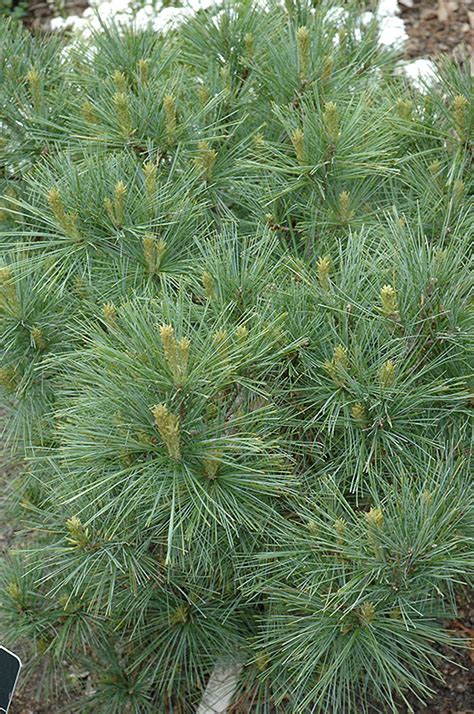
(235, 333)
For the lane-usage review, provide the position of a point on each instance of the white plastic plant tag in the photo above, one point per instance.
(10, 665)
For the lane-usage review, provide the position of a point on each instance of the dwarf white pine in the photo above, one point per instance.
(235, 335)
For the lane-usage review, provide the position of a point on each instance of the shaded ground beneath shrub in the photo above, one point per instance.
(24, 701)
(456, 694)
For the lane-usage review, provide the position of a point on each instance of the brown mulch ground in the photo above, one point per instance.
(40, 13)
(24, 703)
(438, 27)
(456, 694)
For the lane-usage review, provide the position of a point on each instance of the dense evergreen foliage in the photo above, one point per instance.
(235, 336)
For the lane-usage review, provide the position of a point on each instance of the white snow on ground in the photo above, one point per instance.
(422, 72)
(387, 8)
(122, 12)
(391, 27)
(337, 16)
(392, 33)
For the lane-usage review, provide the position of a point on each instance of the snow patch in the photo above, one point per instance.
(421, 72)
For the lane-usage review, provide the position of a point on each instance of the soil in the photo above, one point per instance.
(456, 694)
(39, 12)
(24, 699)
(439, 27)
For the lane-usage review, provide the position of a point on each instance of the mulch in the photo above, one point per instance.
(455, 695)
(40, 13)
(438, 27)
